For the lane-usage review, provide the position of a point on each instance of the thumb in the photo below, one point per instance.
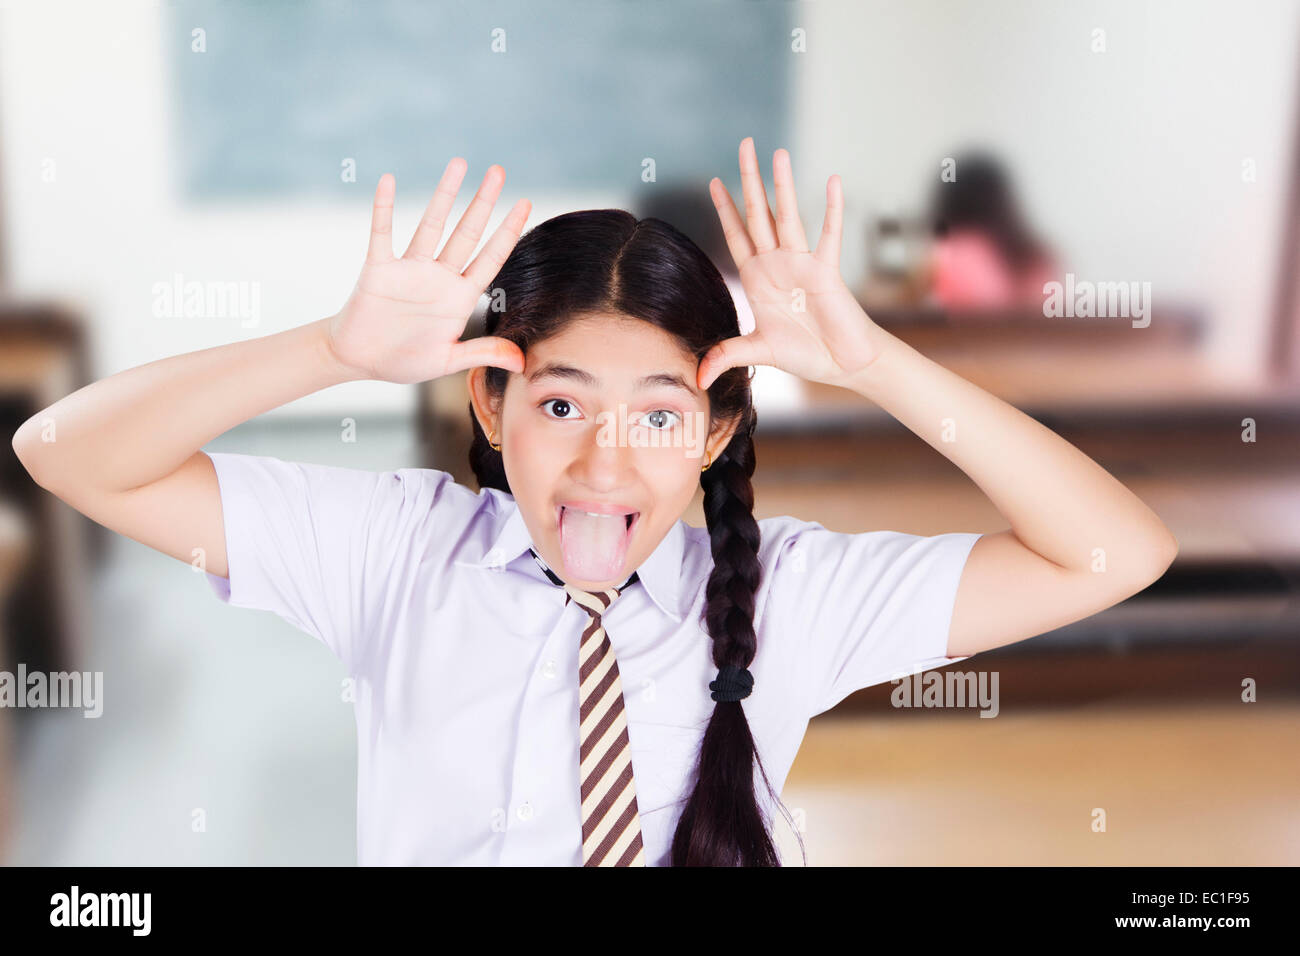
(485, 350)
(733, 353)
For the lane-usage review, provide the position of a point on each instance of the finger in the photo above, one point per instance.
(732, 353)
(733, 227)
(485, 350)
(381, 221)
(488, 263)
(762, 229)
(788, 225)
(424, 244)
(469, 230)
(828, 246)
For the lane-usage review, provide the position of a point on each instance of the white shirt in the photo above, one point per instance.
(465, 654)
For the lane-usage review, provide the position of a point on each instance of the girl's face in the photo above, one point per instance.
(603, 436)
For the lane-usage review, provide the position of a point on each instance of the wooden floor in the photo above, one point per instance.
(1180, 786)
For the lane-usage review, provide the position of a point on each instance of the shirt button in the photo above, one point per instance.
(525, 811)
(549, 670)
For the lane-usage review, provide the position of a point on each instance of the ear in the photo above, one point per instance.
(486, 408)
(721, 436)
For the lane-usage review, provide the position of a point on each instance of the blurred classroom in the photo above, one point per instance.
(1145, 156)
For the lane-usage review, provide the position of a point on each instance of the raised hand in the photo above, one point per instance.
(806, 321)
(403, 320)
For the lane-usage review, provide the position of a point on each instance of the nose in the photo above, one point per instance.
(604, 462)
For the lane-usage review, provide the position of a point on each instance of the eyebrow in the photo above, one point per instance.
(583, 377)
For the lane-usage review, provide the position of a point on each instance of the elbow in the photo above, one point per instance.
(26, 445)
(21, 445)
(1164, 554)
(1171, 549)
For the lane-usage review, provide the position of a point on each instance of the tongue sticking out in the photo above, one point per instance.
(594, 546)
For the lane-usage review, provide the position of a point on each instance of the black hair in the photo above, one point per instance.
(607, 262)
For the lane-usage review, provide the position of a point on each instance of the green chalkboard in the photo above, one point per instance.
(278, 98)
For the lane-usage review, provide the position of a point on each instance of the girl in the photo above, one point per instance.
(557, 669)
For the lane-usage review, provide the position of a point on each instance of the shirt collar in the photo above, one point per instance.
(660, 573)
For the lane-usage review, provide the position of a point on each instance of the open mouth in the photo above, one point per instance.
(629, 517)
(594, 542)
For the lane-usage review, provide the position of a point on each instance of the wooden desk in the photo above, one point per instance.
(15, 544)
(1066, 372)
(1150, 410)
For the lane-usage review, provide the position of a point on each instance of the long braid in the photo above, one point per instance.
(721, 824)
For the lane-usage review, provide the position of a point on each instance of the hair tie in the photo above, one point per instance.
(732, 683)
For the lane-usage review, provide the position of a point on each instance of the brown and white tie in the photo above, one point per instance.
(611, 822)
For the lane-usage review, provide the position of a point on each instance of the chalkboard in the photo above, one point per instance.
(277, 98)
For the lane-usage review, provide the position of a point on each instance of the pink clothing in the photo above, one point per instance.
(969, 272)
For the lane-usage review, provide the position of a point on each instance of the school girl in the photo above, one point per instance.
(555, 669)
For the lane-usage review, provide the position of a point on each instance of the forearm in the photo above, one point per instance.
(1059, 502)
(141, 424)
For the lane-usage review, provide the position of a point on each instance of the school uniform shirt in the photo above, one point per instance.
(465, 655)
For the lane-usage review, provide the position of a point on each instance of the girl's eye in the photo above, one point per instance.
(662, 419)
(562, 406)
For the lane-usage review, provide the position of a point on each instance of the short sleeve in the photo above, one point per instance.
(324, 547)
(864, 608)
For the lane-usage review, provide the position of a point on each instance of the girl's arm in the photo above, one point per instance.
(125, 450)
(1079, 540)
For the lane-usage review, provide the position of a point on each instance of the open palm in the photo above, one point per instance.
(404, 318)
(806, 321)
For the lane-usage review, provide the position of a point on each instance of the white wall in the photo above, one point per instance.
(1130, 159)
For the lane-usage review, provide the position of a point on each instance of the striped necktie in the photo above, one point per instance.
(611, 821)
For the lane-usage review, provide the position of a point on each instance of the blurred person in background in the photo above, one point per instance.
(985, 256)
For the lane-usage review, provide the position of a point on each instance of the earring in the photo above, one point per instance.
(495, 447)
(708, 463)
